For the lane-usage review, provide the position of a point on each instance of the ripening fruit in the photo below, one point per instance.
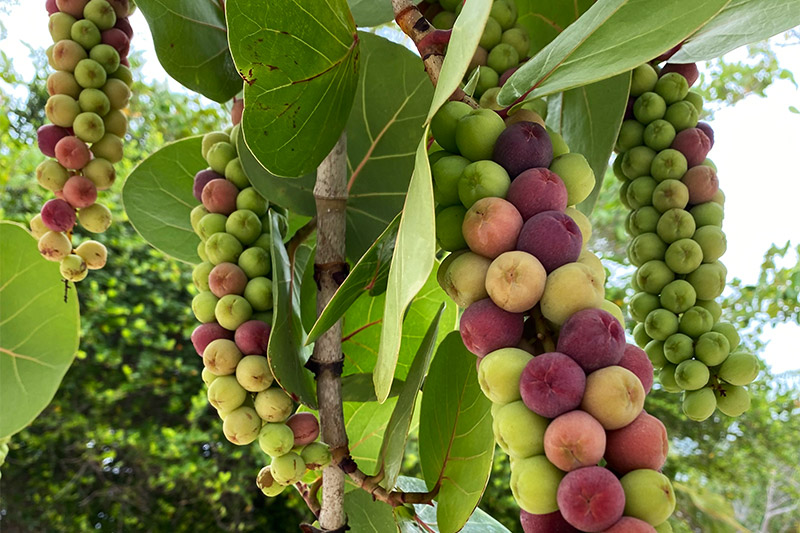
(94, 253)
(95, 218)
(54, 246)
(73, 268)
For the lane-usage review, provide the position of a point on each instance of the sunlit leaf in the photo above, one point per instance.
(158, 198)
(39, 331)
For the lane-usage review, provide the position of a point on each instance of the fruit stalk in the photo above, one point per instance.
(330, 193)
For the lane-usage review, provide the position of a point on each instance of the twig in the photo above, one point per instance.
(428, 41)
(330, 194)
(371, 484)
(309, 495)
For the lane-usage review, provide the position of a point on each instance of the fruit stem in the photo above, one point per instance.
(371, 484)
(419, 30)
(309, 494)
(330, 194)
(543, 333)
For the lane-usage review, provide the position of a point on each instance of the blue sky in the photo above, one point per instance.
(756, 152)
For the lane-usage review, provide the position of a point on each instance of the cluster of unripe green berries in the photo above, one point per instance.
(561, 402)
(675, 221)
(88, 91)
(234, 304)
(503, 47)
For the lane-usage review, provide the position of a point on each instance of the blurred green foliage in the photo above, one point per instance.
(129, 443)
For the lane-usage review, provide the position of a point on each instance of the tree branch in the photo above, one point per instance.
(371, 484)
(428, 41)
(330, 194)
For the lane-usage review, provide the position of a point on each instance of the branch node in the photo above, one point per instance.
(347, 464)
(337, 270)
(317, 368)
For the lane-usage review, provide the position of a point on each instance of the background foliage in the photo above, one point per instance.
(129, 443)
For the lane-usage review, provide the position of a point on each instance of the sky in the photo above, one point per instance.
(756, 152)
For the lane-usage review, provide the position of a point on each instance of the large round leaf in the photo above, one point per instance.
(300, 64)
(158, 198)
(39, 331)
(192, 45)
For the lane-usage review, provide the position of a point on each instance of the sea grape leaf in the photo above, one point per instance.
(741, 22)
(191, 42)
(396, 435)
(296, 195)
(287, 351)
(610, 38)
(367, 515)
(460, 49)
(359, 388)
(365, 423)
(299, 61)
(371, 271)
(413, 260)
(39, 331)
(363, 325)
(545, 19)
(383, 130)
(157, 197)
(371, 12)
(589, 122)
(382, 135)
(479, 522)
(456, 442)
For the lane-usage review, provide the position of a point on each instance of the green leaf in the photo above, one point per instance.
(545, 19)
(412, 262)
(712, 504)
(371, 270)
(366, 515)
(456, 442)
(463, 43)
(371, 12)
(39, 332)
(365, 423)
(299, 61)
(382, 134)
(590, 119)
(610, 38)
(394, 439)
(287, 351)
(296, 195)
(363, 325)
(359, 388)
(191, 42)
(479, 522)
(741, 22)
(158, 198)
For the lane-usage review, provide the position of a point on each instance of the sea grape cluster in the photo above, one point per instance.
(503, 47)
(672, 190)
(89, 91)
(233, 304)
(567, 391)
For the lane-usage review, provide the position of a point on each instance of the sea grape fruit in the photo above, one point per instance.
(591, 499)
(593, 338)
(499, 374)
